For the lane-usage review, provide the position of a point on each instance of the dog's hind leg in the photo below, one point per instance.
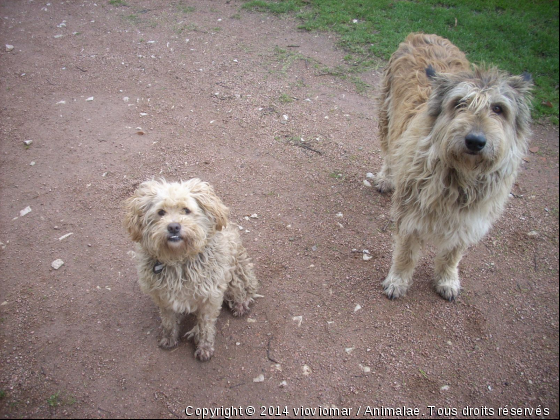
(447, 282)
(405, 257)
(170, 324)
(242, 287)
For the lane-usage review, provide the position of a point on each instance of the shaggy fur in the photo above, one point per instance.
(188, 259)
(453, 138)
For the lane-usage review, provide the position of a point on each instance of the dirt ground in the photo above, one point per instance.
(112, 95)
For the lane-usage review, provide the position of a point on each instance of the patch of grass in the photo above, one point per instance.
(57, 400)
(2, 394)
(284, 6)
(117, 3)
(337, 175)
(515, 35)
(286, 99)
(54, 400)
(184, 8)
(132, 18)
(287, 58)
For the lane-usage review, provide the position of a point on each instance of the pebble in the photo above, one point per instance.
(365, 369)
(444, 388)
(259, 378)
(306, 370)
(89, 99)
(357, 308)
(65, 236)
(25, 211)
(283, 384)
(56, 264)
(28, 142)
(533, 234)
(367, 183)
(9, 47)
(369, 175)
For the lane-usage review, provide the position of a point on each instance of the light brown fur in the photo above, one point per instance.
(449, 185)
(188, 259)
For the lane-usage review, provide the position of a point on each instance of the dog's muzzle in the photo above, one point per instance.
(475, 142)
(174, 230)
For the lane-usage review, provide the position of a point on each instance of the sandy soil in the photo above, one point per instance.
(113, 95)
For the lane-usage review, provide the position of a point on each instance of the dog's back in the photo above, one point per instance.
(406, 87)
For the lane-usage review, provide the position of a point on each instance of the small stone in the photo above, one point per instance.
(366, 257)
(357, 308)
(283, 384)
(365, 369)
(9, 47)
(56, 264)
(89, 99)
(369, 175)
(367, 183)
(28, 142)
(25, 211)
(306, 370)
(444, 388)
(259, 378)
(298, 319)
(533, 234)
(65, 236)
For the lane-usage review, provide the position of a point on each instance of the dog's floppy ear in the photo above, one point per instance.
(210, 203)
(440, 86)
(522, 86)
(136, 208)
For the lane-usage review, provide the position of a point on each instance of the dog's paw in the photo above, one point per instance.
(383, 184)
(168, 343)
(393, 288)
(449, 290)
(204, 352)
(242, 308)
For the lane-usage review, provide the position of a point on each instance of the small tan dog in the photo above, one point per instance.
(453, 138)
(188, 259)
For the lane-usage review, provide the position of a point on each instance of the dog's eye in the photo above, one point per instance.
(460, 104)
(186, 210)
(497, 109)
(161, 213)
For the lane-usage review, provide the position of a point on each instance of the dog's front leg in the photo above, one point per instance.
(447, 282)
(206, 329)
(405, 257)
(170, 324)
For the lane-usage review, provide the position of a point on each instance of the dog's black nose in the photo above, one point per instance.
(174, 228)
(475, 142)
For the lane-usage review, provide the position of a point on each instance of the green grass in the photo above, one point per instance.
(514, 35)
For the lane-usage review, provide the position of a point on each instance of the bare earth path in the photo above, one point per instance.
(111, 96)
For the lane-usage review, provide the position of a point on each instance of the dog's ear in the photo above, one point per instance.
(136, 208)
(522, 86)
(430, 72)
(210, 203)
(440, 86)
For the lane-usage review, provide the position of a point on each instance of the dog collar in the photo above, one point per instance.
(158, 267)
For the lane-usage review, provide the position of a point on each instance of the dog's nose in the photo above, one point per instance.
(475, 142)
(174, 228)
